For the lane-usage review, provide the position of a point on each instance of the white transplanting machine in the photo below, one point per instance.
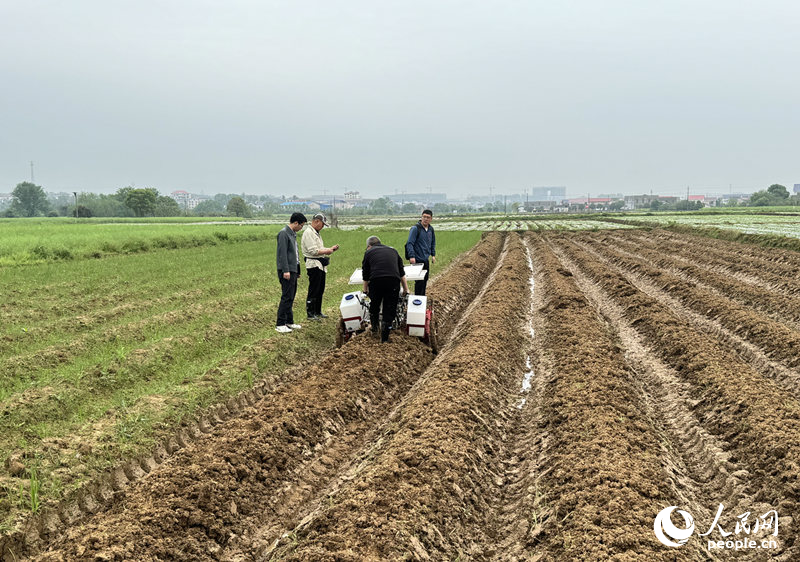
(414, 312)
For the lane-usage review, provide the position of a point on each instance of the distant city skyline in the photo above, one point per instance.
(462, 195)
(283, 97)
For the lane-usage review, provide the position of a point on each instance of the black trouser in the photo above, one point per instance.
(420, 286)
(316, 286)
(386, 291)
(288, 291)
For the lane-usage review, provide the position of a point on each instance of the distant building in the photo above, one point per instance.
(633, 202)
(730, 197)
(579, 203)
(186, 200)
(796, 188)
(555, 193)
(540, 206)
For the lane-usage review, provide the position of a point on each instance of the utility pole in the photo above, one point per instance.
(32, 172)
(75, 193)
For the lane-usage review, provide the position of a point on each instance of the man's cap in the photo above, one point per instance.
(321, 217)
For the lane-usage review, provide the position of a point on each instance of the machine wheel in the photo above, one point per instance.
(430, 327)
(340, 333)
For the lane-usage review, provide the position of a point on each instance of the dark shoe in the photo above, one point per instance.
(314, 318)
(384, 336)
(321, 315)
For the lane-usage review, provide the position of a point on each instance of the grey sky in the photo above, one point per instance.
(300, 96)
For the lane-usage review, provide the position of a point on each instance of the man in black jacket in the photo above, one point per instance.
(288, 270)
(421, 248)
(383, 274)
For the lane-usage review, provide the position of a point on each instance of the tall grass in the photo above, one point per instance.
(27, 241)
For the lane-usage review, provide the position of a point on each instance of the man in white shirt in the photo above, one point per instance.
(317, 258)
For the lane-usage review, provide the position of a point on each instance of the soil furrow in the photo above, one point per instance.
(739, 270)
(780, 267)
(699, 466)
(780, 307)
(757, 358)
(426, 492)
(778, 341)
(737, 404)
(524, 442)
(605, 480)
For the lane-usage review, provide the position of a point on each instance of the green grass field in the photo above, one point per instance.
(27, 241)
(101, 357)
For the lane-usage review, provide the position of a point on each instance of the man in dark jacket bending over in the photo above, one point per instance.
(383, 274)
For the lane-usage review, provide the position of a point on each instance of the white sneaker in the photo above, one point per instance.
(283, 329)
(294, 326)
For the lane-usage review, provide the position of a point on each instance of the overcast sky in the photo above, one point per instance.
(382, 96)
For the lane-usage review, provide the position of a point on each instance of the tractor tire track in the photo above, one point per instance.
(779, 268)
(606, 475)
(774, 340)
(699, 466)
(736, 403)
(780, 307)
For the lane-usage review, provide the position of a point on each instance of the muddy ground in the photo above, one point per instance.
(585, 383)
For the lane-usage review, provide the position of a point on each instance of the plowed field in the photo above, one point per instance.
(586, 382)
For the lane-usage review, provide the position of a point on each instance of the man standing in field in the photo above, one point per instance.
(317, 258)
(421, 248)
(383, 273)
(288, 259)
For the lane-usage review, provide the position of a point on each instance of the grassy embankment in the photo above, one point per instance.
(100, 358)
(27, 241)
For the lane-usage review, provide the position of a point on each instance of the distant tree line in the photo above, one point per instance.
(776, 194)
(30, 200)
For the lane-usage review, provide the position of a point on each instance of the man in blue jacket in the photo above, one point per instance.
(288, 260)
(421, 248)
